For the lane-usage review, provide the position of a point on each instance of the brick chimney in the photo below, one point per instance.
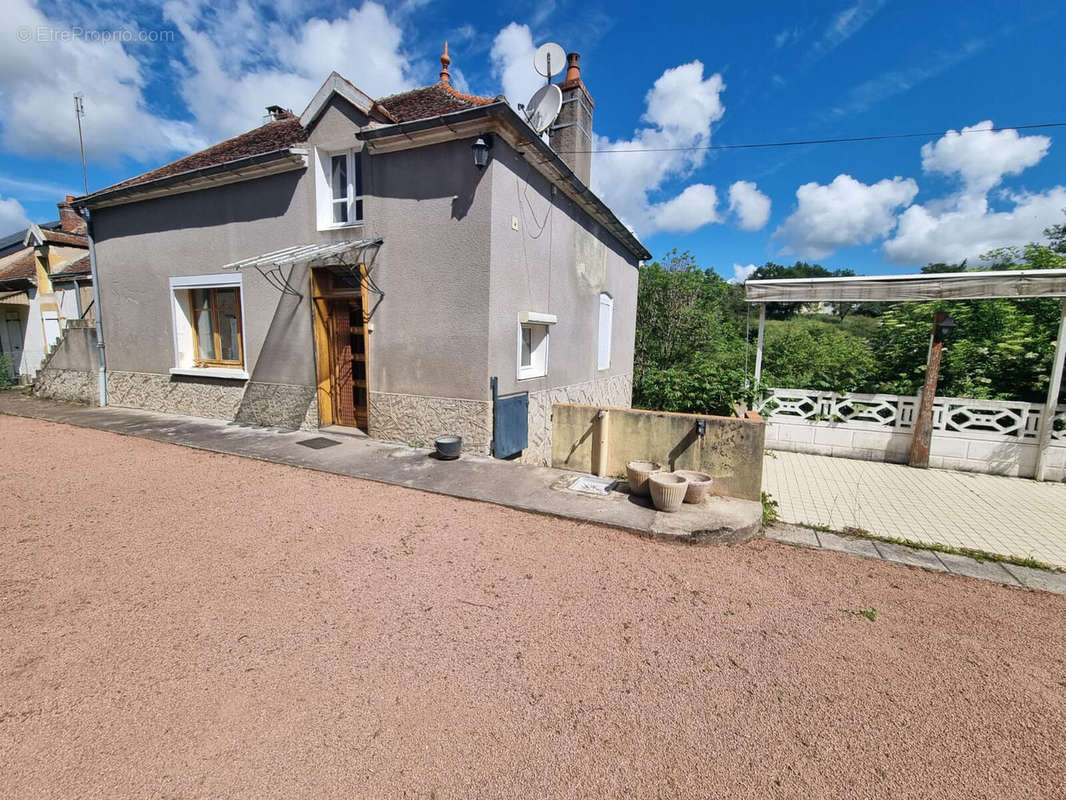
(571, 135)
(70, 221)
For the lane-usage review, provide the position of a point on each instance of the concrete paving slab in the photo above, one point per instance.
(791, 534)
(1038, 579)
(926, 559)
(519, 486)
(847, 544)
(972, 568)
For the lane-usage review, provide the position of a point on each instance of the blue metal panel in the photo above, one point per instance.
(510, 425)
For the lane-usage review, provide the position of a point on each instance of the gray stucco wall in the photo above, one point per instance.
(557, 262)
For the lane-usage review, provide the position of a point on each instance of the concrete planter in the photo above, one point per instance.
(699, 483)
(637, 472)
(667, 490)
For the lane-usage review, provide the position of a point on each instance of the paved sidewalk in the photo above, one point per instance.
(526, 488)
(1007, 516)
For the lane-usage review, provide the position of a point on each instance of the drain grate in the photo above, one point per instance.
(318, 443)
(591, 484)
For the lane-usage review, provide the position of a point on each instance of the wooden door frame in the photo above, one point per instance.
(322, 293)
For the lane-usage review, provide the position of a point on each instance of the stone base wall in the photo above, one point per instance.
(615, 391)
(69, 385)
(266, 404)
(412, 418)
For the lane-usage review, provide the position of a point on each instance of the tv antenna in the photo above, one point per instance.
(543, 107)
(549, 60)
(79, 112)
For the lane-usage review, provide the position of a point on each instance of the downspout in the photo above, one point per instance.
(101, 358)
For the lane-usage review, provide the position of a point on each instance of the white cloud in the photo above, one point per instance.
(679, 111)
(751, 206)
(969, 227)
(982, 160)
(12, 216)
(695, 207)
(238, 64)
(39, 78)
(741, 273)
(512, 63)
(843, 26)
(843, 213)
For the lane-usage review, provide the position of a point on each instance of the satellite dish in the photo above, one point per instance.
(543, 107)
(549, 60)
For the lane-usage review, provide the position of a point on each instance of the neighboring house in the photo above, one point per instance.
(355, 266)
(45, 281)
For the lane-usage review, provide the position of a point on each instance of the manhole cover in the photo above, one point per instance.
(591, 484)
(318, 443)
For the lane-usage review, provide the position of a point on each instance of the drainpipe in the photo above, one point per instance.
(102, 370)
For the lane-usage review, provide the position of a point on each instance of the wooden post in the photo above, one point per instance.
(923, 423)
(1047, 419)
(758, 347)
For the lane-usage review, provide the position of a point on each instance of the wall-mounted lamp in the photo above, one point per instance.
(481, 147)
(945, 327)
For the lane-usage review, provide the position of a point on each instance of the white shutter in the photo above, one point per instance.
(606, 316)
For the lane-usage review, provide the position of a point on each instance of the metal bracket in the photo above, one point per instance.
(279, 280)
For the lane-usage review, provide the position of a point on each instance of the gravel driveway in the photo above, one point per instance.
(181, 624)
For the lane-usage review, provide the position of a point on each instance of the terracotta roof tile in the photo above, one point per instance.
(430, 101)
(275, 135)
(62, 237)
(19, 266)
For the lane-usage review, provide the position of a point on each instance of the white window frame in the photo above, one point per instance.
(181, 325)
(603, 346)
(324, 189)
(538, 361)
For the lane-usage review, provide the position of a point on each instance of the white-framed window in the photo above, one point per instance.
(603, 355)
(339, 188)
(532, 350)
(208, 316)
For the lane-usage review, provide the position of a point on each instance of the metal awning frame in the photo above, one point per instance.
(277, 267)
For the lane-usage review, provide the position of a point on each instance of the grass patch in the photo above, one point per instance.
(769, 509)
(869, 613)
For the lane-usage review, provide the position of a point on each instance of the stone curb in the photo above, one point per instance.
(1013, 575)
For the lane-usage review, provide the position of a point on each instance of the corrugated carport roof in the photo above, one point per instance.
(974, 285)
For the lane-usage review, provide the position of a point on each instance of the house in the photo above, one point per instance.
(410, 266)
(45, 282)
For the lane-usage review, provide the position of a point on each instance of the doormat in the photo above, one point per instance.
(318, 443)
(592, 484)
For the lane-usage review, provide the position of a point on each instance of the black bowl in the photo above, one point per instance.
(448, 447)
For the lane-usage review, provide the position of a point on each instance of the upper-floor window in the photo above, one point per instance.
(340, 189)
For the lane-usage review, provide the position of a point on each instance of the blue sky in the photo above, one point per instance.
(666, 75)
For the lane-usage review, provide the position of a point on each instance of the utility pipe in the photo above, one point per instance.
(101, 358)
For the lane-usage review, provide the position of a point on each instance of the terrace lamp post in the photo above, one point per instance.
(923, 423)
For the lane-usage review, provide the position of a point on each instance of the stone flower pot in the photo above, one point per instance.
(667, 490)
(699, 483)
(637, 472)
(448, 447)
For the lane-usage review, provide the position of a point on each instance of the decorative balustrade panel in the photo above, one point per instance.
(993, 419)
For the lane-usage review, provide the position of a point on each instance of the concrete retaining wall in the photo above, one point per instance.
(731, 449)
(69, 373)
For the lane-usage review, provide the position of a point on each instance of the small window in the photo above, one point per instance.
(340, 189)
(217, 327)
(208, 326)
(532, 350)
(603, 358)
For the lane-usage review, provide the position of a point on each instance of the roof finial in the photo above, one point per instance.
(445, 60)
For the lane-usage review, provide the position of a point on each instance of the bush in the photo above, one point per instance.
(7, 372)
(701, 387)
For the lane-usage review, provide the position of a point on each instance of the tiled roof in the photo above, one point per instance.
(19, 266)
(15, 240)
(75, 266)
(62, 237)
(275, 135)
(430, 101)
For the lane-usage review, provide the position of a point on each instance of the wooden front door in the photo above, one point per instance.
(343, 349)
